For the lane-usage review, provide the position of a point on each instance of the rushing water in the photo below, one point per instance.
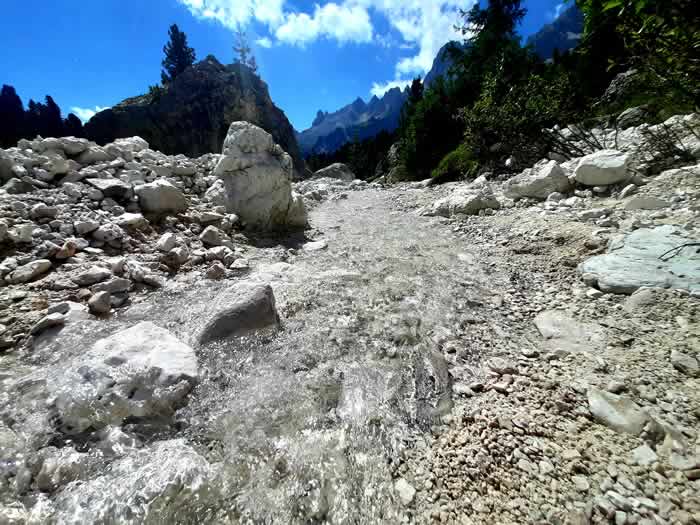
(305, 424)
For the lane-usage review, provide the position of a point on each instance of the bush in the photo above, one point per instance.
(457, 164)
(154, 93)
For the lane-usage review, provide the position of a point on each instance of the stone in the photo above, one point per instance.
(617, 412)
(465, 201)
(83, 227)
(256, 175)
(167, 242)
(160, 197)
(603, 168)
(111, 187)
(646, 202)
(405, 491)
(134, 221)
(216, 271)
(538, 182)
(141, 372)
(685, 363)
(100, 303)
(238, 310)
(580, 483)
(563, 333)
(114, 285)
(633, 261)
(42, 211)
(109, 233)
(18, 187)
(176, 257)
(49, 321)
(29, 271)
(93, 155)
(213, 236)
(92, 275)
(338, 171)
(628, 190)
(644, 455)
(315, 246)
(66, 251)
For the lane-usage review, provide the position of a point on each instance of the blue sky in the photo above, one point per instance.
(312, 54)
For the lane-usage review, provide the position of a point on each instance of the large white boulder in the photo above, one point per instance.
(160, 197)
(539, 182)
(142, 372)
(256, 175)
(336, 171)
(465, 201)
(603, 168)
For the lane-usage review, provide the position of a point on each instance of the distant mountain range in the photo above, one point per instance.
(356, 121)
(360, 120)
(563, 34)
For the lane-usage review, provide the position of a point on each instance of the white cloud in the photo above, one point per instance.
(559, 9)
(264, 42)
(379, 89)
(86, 114)
(344, 23)
(235, 13)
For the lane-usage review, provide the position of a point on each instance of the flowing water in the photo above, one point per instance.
(305, 424)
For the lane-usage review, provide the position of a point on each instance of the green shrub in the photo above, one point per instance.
(457, 164)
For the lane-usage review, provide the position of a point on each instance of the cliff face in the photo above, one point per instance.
(193, 114)
(563, 34)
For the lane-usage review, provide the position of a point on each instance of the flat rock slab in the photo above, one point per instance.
(563, 332)
(633, 261)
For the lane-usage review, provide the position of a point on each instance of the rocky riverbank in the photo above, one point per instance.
(519, 351)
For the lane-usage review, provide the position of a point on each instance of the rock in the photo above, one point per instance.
(338, 171)
(633, 262)
(93, 155)
(135, 221)
(256, 174)
(564, 333)
(160, 197)
(216, 271)
(685, 363)
(92, 275)
(142, 372)
(634, 116)
(190, 116)
(628, 190)
(109, 233)
(538, 182)
(49, 321)
(176, 257)
(644, 455)
(603, 168)
(465, 201)
(213, 236)
(61, 468)
(66, 251)
(616, 412)
(114, 285)
(167, 242)
(42, 211)
(17, 187)
(646, 202)
(315, 246)
(21, 234)
(139, 274)
(238, 310)
(100, 303)
(405, 491)
(29, 271)
(83, 227)
(111, 187)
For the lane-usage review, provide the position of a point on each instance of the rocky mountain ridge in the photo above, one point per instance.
(191, 116)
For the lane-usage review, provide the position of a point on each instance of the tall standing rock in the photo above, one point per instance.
(256, 175)
(192, 115)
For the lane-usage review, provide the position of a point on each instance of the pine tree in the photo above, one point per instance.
(12, 124)
(51, 117)
(178, 55)
(72, 126)
(243, 52)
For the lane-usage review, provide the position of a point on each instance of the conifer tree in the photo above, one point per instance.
(243, 53)
(178, 55)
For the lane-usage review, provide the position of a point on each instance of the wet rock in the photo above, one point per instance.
(616, 412)
(538, 182)
(61, 468)
(49, 321)
(405, 491)
(685, 363)
(100, 303)
(603, 168)
(160, 197)
(238, 310)
(29, 271)
(256, 175)
(142, 372)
